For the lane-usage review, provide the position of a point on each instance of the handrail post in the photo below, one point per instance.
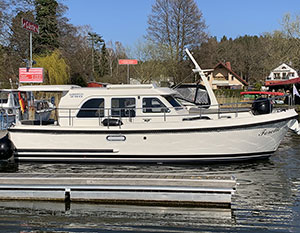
(108, 116)
(99, 117)
(69, 117)
(2, 120)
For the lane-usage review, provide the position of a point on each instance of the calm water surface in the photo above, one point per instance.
(267, 200)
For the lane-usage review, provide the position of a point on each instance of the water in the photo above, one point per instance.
(267, 200)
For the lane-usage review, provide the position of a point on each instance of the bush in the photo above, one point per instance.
(227, 92)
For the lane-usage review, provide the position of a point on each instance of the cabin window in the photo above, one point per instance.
(173, 102)
(123, 107)
(92, 108)
(16, 100)
(3, 100)
(153, 105)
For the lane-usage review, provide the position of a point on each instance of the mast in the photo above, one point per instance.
(213, 100)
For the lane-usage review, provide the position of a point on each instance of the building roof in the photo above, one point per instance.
(222, 65)
(282, 68)
(285, 82)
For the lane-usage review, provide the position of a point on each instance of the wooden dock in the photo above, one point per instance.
(120, 188)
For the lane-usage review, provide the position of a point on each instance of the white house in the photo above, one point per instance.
(282, 73)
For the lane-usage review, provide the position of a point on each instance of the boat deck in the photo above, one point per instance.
(121, 188)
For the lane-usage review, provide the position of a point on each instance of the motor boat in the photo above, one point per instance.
(9, 106)
(146, 123)
(278, 97)
(15, 105)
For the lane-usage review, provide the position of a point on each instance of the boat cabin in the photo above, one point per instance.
(9, 100)
(118, 103)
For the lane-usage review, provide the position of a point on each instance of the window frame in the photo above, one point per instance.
(144, 109)
(124, 112)
(91, 112)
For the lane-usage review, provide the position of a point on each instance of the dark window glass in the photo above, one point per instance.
(172, 101)
(3, 101)
(123, 107)
(153, 105)
(92, 108)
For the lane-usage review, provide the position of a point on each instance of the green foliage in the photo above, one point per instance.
(257, 86)
(77, 79)
(19, 38)
(228, 93)
(56, 71)
(104, 66)
(46, 18)
(95, 42)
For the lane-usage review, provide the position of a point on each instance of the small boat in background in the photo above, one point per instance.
(9, 107)
(15, 106)
(252, 95)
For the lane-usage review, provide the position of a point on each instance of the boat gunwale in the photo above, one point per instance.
(106, 130)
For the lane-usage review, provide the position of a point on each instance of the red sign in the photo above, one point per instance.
(128, 62)
(30, 75)
(30, 26)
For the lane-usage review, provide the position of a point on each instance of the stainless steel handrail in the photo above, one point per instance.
(163, 113)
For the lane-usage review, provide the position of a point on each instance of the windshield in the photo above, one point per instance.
(173, 102)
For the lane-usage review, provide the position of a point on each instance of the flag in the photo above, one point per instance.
(295, 91)
(22, 103)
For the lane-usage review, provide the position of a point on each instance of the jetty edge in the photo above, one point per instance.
(120, 188)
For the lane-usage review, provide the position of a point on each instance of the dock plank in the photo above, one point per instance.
(119, 187)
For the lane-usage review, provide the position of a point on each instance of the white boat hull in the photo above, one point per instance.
(196, 141)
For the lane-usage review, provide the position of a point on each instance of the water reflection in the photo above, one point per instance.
(129, 218)
(267, 198)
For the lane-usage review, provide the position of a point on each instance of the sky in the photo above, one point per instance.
(126, 20)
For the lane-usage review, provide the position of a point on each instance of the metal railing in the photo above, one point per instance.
(148, 114)
(5, 121)
(156, 114)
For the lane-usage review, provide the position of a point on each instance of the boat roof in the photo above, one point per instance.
(281, 83)
(261, 93)
(109, 90)
(124, 90)
(8, 90)
(47, 88)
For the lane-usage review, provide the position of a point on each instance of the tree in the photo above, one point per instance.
(104, 65)
(96, 42)
(151, 66)
(77, 79)
(177, 24)
(19, 38)
(46, 17)
(56, 70)
(291, 31)
(75, 49)
(8, 10)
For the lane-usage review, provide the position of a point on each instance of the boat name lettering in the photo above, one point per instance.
(268, 131)
(76, 95)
